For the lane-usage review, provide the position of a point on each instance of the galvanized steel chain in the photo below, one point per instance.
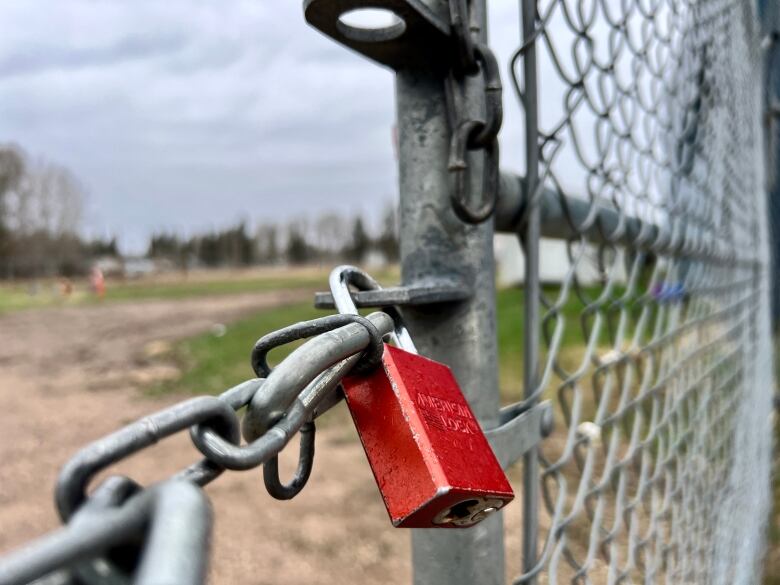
(474, 74)
(123, 532)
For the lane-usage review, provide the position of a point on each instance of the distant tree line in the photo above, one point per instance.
(328, 238)
(41, 208)
(41, 213)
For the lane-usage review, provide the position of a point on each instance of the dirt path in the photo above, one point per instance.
(70, 375)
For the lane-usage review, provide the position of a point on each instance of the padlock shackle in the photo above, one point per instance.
(340, 280)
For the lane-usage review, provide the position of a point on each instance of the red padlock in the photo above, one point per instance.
(432, 462)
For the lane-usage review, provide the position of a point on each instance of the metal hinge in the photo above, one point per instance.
(517, 433)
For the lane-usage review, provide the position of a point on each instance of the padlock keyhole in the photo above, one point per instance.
(468, 512)
(461, 511)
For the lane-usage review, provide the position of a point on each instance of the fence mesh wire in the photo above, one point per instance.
(656, 346)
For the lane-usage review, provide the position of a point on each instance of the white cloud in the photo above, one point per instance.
(184, 114)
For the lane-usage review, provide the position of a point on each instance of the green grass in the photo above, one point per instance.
(511, 324)
(16, 296)
(211, 363)
(184, 289)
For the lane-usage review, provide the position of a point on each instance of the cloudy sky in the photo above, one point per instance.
(187, 114)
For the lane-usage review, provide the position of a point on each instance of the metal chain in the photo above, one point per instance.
(123, 532)
(475, 69)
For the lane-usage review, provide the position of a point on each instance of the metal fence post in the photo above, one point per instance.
(436, 246)
(530, 242)
(769, 13)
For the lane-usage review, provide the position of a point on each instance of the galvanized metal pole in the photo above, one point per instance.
(769, 13)
(437, 246)
(530, 240)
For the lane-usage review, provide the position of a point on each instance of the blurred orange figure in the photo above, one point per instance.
(97, 282)
(66, 287)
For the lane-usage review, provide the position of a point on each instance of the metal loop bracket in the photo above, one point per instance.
(420, 36)
(344, 276)
(519, 431)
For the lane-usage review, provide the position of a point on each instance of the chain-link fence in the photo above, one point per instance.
(656, 345)
(651, 350)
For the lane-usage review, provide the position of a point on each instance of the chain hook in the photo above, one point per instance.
(461, 35)
(494, 110)
(459, 169)
(475, 59)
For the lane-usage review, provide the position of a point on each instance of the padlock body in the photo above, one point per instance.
(431, 461)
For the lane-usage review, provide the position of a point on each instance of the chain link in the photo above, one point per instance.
(475, 70)
(123, 531)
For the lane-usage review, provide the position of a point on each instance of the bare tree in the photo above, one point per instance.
(298, 250)
(11, 168)
(267, 243)
(387, 243)
(11, 173)
(42, 208)
(360, 242)
(50, 200)
(331, 233)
